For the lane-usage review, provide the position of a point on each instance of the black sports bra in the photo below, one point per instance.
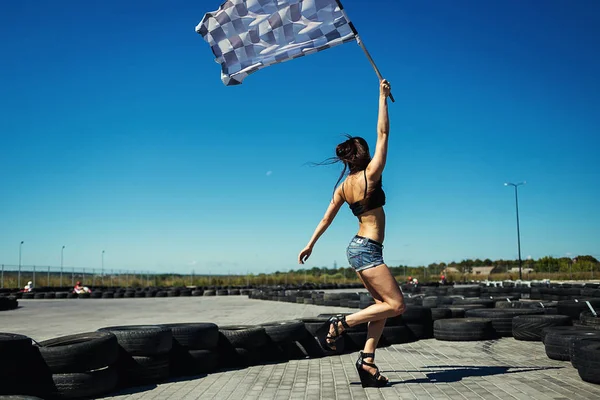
(372, 200)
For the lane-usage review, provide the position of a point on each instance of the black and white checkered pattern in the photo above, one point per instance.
(247, 35)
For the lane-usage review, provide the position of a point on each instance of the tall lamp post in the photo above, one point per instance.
(102, 267)
(518, 231)
(61, 264)
(19, 277)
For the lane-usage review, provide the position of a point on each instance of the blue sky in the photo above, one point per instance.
(117, 134)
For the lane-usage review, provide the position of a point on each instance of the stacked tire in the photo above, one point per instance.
(463, 329)
(529, 327)
(501, 318)
(79, 366)
(194, 348)
(586, 358)
(16, 374)
(144, 352)
(239, 346)
(284, 340)
(8, 303)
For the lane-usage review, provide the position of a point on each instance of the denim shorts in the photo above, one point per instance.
(364, 253)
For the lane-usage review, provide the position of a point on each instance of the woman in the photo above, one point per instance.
(362, 191)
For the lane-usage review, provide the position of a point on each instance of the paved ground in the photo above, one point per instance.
(427, 369)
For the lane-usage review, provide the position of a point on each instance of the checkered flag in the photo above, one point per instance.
(247, 35)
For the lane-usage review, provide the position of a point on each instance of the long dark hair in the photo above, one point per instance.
(353, 153)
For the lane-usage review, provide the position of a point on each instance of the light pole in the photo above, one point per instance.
(61, 264)
(102, 267)
(19, 277)
(518, 231)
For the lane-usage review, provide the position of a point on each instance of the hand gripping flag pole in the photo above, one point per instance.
(361, 44)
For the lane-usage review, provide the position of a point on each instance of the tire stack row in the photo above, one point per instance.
(8, 303)
(194, 348)
(127, 294)
(143, 353)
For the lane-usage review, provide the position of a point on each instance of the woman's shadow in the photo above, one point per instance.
(453, 373)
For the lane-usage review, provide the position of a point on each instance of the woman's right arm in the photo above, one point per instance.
(375, 167)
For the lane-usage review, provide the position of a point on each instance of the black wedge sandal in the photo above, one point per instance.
(334, 321)
(366, 378)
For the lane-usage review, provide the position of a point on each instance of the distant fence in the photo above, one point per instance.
(11, 276)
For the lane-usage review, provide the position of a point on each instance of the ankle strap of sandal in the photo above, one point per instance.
(367, 355)
(344, 323)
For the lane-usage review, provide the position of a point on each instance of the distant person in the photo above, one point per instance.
(28, 287)
(81, 289)
(409, 281)
(443, 280)
(363, 192)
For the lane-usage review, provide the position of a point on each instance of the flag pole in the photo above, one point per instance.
(362, 45)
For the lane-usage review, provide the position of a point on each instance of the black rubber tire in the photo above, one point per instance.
(488, 303)
(575, 344)
(463, 329)
(354, 340)
(285, 331)
(314, 325)
(209, 292)
(353, 303)
(588, 319)
(501, 318)
(554, 329)
(574, 309)
(244, 336)
(142, 340)
(248, 357)
(397, 335)
(13, 346)
(588, 363)
(193, 362)
(80, 353)
(222, 292)
(72, 296)
(195, 336)
(457, 312)
(140, 370)
(440, 313)
(84, 295)
(415, 314)
(310, 347)
(108, 295)
(558, 344)
(50, 295)
(529, 327)
(90, 384)
(62, 295)
(197, 292)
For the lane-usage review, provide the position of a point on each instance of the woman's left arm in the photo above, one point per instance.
(332, 210)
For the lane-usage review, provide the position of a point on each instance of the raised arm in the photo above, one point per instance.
(375, 167)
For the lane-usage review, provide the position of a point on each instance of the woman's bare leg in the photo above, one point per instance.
(389, 302)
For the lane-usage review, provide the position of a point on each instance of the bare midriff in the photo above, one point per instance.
(371, 224)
